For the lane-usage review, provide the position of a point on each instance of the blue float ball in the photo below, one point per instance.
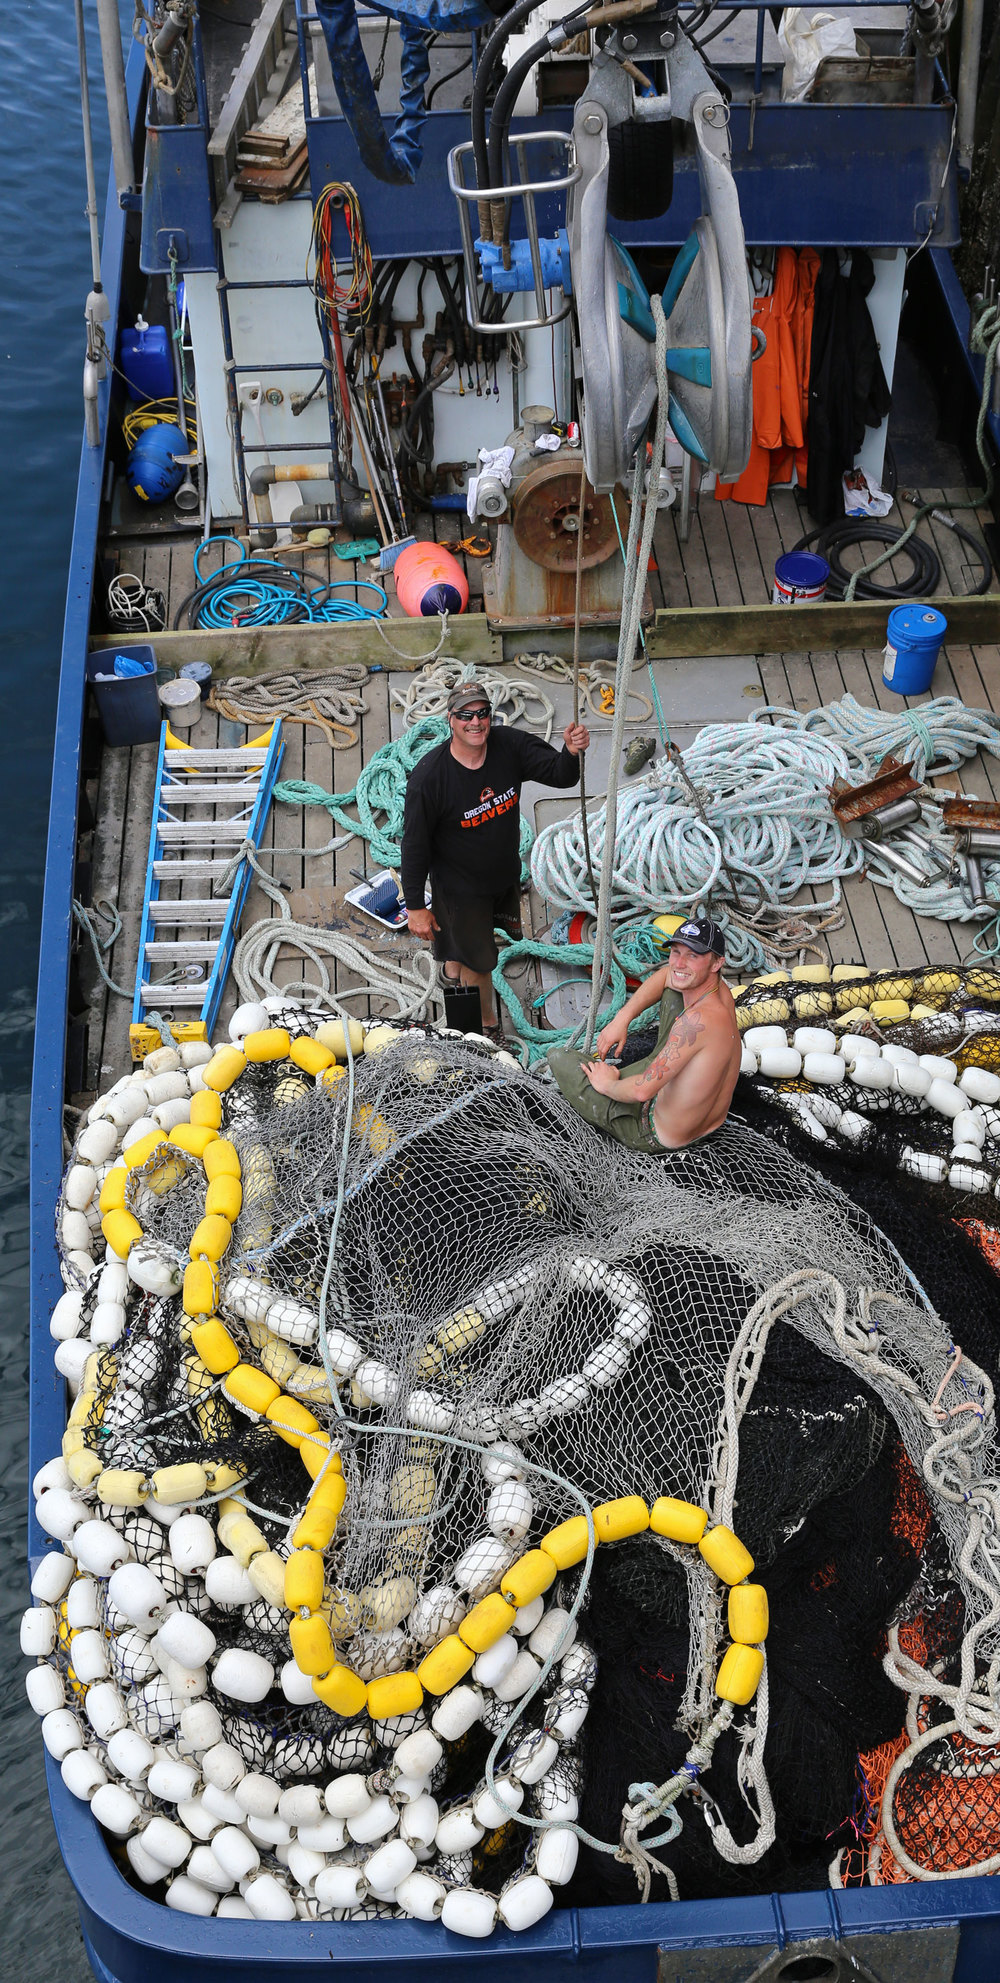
(151, 471)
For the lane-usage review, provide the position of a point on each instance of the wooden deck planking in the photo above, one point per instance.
(670, 559)
(137, 812)
(110, 804)
(719, 551)
(728, 560)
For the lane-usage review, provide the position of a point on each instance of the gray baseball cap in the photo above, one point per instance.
(465, 693)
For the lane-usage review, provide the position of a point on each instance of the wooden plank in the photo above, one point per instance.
(719, 551)
(256, 651)
(697, 565)
(670, 564)
(137, 813)
(697, 631)
(769, 549)
(106, 869)
(755, 585)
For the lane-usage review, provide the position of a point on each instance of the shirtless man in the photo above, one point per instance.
(681, 1093)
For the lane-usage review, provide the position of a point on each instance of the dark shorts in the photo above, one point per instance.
(466, 924)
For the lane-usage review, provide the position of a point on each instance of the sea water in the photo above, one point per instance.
(44, 280)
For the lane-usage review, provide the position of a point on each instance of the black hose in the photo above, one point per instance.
(484, 76)
(832, 538)
(503, 108)
(449, 78)
(925, 573)
(726, 21)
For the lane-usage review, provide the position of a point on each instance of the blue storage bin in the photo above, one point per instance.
(938, 1929)
(129, 706)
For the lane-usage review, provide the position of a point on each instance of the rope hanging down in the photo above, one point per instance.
(636, 565)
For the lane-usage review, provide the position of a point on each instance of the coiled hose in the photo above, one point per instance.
(261, 592)
(831, 540)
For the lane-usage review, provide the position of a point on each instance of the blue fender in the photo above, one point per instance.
(394, 158)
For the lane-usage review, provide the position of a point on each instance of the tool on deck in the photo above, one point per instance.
(379, 897)
(976, 826)
(231, 790)
(884, 807)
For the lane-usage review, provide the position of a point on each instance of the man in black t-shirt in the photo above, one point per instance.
(461, 826)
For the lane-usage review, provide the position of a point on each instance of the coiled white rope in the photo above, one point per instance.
(412, 988)
(426, 694)
(939, 735)
(767, 822)
(767, 819)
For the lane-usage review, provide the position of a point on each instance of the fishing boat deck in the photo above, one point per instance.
(876, 929)
(728, 558)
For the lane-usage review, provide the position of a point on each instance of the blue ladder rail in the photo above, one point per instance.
(144, 992)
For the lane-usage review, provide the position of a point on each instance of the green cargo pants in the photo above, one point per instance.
(627, 1122)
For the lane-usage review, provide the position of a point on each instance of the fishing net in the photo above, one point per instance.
(500, 1318)
(948, 1019)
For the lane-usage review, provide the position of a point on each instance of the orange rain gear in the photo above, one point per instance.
(780, 380)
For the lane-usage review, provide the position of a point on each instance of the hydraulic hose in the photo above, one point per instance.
(484, 76)
(832, 539)
(925, 575)
(506, 97)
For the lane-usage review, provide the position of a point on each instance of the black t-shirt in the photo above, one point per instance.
(463, 827)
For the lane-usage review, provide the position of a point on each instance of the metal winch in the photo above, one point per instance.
(540, 512)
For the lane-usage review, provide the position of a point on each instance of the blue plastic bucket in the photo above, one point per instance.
(913, 642)
(128, 705)
(799, 578)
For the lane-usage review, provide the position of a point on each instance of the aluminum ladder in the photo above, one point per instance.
(207, 805)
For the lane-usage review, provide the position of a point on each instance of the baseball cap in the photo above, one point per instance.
(701, 935)
(464, 694)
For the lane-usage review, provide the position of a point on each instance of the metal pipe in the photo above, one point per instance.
(187, 498)
(889, 818)
(968, 80)
(975, 884)
(984, 844)
(109, 23)
(88, 147)
(909, 868)
(97, 309)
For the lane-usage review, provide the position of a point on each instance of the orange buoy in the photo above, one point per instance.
(429, 581)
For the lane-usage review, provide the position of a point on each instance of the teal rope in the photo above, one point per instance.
(101, 911)
(380, 795)
(538, 1039)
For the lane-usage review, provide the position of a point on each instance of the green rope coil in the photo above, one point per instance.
(641, 953)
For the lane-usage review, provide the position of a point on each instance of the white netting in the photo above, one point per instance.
(491, 1274)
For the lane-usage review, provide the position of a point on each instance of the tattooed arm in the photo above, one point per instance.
(683, 1041)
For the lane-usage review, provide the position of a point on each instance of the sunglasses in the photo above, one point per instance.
(473, 716)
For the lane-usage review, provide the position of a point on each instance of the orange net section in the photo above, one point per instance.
(987, 1238)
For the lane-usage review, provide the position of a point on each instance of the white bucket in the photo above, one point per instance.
(180, 702)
